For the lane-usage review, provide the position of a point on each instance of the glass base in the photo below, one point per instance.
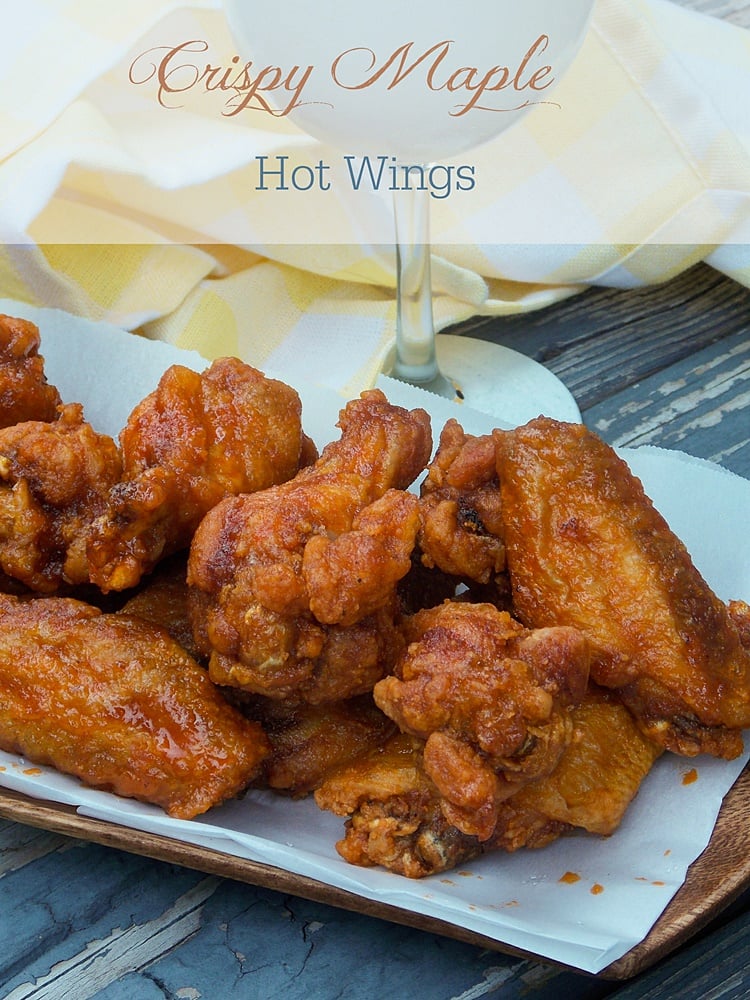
(496, 380)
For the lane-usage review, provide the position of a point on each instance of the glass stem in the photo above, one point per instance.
(416, 360)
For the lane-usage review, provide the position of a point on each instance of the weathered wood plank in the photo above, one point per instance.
(164, 933)
(700, 405)
(718, 966)
(50, 909)
(102, 961)
(20, 846)
(735, 11)
(282, 946)
(605, 341)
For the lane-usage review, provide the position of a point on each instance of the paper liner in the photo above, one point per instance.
(518, 899)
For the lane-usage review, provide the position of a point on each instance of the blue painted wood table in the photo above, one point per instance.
(83, 917)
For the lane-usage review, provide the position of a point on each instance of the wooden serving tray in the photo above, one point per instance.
(713, 881)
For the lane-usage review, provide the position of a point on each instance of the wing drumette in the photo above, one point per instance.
(461, 532)
(193, 441)
(55, 478)
(394, 815)
(490, 698)
(295, 586)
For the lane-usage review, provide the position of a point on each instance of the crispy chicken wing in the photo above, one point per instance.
(739, 612)
(25, 393)
(162, 599)
(54, 479)
(195, 440)
(295, 586)
(396, 815)
(309, 742)
(461, 530)
(587, 548)
(597, 777)
(490, 698)
(115, 702)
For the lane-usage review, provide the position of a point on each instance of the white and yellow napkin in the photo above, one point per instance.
(115, 207)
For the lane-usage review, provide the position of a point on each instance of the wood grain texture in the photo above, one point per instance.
(696, 406)
(716, 966)
(103, 961)
(605, 341)
(715, 879)
(734, 11)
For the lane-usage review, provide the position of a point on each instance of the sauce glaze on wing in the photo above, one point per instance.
(586, 547)
(116, 702)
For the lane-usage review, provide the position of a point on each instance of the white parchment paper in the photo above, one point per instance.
(517, 899)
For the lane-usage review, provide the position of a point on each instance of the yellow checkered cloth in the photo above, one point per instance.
(114, 207)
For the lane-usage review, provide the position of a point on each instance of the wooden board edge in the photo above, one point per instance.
(64, 820)
(709, 887)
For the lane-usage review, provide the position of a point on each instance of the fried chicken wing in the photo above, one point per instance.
(396, 815)
(461, 531)
(195, 440)
(115, 702)
(54, 479)
(25, 393)
(586, 548)
(295, 586)
(739, 612)
(309, 742)
(598, 775)
(490, 698)
(162, 599)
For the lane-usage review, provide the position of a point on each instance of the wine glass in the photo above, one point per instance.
(416, 83)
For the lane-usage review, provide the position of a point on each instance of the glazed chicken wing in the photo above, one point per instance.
(25, 393)
(587, 548)
(396, 815)
(295, 586)
(162, 599)
(739, 612)
(195, 440)
(461, 531)
(490, 698)
(115, 702)
(54, 479)
(309, 742)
